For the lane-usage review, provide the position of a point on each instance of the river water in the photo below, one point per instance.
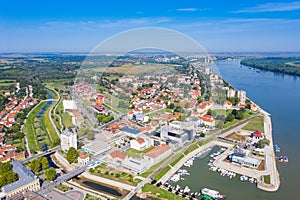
(279, 95)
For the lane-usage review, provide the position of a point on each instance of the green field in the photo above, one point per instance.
(161, 193)
(177, 160)
(254, 124)
(7, 82)
(54, 139)
(162, 173)
(30, 129)
(267, 179)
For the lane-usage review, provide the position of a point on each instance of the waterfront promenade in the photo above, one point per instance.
(178, 165)
(269, 162)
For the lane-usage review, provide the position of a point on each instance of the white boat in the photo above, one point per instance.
(212, 193)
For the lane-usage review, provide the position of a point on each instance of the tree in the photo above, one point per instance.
(35, 165)
(209, 112)
(90, 135)
(44, 162)
(229, 117)
(50, 174)
(5, 167)
(239, 115)
(72, 155)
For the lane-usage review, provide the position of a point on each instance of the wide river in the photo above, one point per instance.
(279, 95)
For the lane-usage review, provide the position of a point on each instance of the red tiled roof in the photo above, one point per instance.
(146, 128)
(207, 118)
(11, 115)
(153, 123)
(258, 134)
(157, 151)
(83, 156)
(140, 140)
(118, 154)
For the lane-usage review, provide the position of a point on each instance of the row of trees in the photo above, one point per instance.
(235, 114)
(39, 164)
(274, 64)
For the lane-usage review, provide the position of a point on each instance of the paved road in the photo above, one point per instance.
(49, 114)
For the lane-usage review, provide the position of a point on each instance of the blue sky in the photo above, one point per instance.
(244, 25)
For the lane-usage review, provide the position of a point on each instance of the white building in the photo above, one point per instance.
(83, 159)
(242, 96)
(139, 144)
(231, 93)
(69, 105)
(68, 139)
(137, 166)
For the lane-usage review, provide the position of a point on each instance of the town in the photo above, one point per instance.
(130, 131)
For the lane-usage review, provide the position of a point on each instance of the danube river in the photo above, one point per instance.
(279, 95)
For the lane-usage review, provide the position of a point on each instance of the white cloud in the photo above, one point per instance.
(187, 9)
(271, 7)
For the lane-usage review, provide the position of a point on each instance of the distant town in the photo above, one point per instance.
(126, 128)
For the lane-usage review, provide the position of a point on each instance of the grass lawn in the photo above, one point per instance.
(66, 120)
(58, 85)
(154, 167)
(7, 82)
(161, 193)
(63, 188)
(162, 173)
(30, 129)
(246, 114)
(136, 153)
(254, 124)
(267, 179)
(49, 128)
(114, 102)
(177, 160)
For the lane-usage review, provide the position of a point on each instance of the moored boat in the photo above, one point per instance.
(212, 193)
(277, 148)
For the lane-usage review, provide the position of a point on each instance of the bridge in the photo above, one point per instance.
(135, 190)
(44, 153)
(48, 186)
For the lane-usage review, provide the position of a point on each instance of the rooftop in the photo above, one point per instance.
(25, 177)
(130, 130)
(157, 151)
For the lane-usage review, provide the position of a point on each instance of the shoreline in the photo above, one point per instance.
(269, 159)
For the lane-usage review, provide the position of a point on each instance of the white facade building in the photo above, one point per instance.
(139, 144)
(242, 96)
(68, 139)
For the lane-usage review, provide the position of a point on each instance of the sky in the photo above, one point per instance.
(219, 26)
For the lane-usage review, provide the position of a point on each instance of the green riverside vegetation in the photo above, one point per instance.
(275, 64)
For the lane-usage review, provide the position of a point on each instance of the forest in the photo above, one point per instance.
(275, 64)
